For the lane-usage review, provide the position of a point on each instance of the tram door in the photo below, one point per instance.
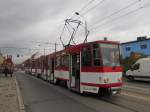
(75, 71)
(52, 70)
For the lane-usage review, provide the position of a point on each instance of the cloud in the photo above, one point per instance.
(23, 21)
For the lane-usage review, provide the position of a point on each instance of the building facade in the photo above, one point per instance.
(140, 46)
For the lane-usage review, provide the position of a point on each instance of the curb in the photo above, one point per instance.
(19, 96)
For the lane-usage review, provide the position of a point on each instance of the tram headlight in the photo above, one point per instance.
(106, 80)
(119, 79)
(100, 79)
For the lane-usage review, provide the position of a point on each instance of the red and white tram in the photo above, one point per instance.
(89, 67)
(27, 66)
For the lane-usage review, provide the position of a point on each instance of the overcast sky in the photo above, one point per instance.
(24, 22)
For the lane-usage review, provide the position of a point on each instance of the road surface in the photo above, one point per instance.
(40, 96)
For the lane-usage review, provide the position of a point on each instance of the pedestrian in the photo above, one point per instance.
(6, 71)
(11, 71)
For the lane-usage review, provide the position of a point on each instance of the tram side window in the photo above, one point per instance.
(46, 62)
(49, 64)
(96, 55)
(58, 62)
(33, 64)
(39, 65)
(86, 57)
(65, 61)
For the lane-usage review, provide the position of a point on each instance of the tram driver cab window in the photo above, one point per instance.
(96, 55)
(86, 56)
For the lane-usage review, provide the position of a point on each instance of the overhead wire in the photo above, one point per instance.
(84, 7)
(60, 37)
(21, 48)
(100, 2)
(128, 13)
(90, 9)
(81, 10)
(116, 12)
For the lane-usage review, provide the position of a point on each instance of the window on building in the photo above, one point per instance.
(143, 46)
(128, 48)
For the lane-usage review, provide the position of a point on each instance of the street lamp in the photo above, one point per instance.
(77, 13)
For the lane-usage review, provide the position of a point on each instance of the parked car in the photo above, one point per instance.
(140, 70)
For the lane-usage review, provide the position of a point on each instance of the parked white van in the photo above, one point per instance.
(140, 70)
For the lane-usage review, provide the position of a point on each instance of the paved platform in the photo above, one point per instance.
(9, 95)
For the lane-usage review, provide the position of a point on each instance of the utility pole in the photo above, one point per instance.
(55, 54)
(44, 67)
(86, 32)
(0, 51)
(44, 51)
(55, 47)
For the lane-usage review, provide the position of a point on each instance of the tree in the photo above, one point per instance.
(129, 61)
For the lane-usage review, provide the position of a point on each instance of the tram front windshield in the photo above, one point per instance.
(110, 54)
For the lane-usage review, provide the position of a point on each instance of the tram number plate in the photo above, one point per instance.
(91, 89)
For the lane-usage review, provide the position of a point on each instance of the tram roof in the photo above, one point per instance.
(77, 48)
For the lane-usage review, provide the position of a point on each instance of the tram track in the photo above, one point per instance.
(137, 95)
(108, 100)
(94, 101)
(133, 104)
(89, 96)
(115, 100)
(131, 101)
(136, 89)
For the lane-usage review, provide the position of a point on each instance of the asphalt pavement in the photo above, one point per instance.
(40, 96)
(138, 83)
